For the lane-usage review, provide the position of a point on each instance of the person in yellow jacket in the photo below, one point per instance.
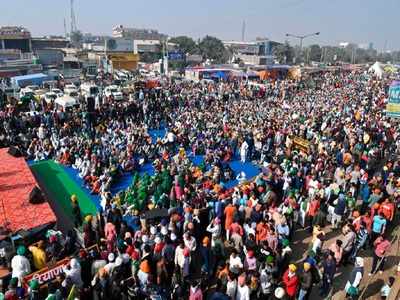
(39, 255)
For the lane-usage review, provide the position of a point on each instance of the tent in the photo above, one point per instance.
(66, 101)
(376, 69)
(390, 69)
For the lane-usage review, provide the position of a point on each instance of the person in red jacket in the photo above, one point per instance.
(291, 281)
(313, 208)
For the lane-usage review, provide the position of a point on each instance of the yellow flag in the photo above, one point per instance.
(72, 293)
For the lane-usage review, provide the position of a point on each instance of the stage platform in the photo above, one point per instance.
(59, 187)
(16, 183)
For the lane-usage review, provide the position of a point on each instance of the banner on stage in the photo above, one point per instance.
(47, 274)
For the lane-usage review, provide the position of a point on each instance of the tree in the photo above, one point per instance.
(185, 44)
(213, 48)
(315, 53)
(76, 37)
(284, 53)
(111, 44)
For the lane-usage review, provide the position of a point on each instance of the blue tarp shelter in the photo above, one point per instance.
(31, 79)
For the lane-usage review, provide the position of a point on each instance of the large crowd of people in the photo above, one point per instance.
(216, 242)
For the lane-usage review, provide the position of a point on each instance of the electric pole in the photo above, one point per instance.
(243, 30)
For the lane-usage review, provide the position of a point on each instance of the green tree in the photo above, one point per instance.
(284, 53)
(76, 37)
(315, 53)
(185, 44)
(213, 48)
(111, 44)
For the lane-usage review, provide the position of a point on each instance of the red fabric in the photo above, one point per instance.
(381, 246)
(314, 207)
(290, 284)
(388, 210)
(16, 183)
(236, 228)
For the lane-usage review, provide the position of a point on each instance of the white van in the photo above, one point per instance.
(89, 90)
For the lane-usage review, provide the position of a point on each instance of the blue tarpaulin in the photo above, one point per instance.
(31, 79)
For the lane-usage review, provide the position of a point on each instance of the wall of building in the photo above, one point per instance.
(50, 56)
(43, 43)
(126, 61)
(19, 44)
(9, 54)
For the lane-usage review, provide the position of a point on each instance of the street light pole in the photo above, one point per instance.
(302, 37)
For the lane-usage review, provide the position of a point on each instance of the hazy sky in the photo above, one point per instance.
(359, 21)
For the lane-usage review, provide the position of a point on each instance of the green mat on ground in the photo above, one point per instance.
(60, 187)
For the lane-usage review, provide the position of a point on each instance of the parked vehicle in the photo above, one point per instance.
(70, 88)
(114, 91)
(58, 92)
(66, 102)
(28, 89)
(89, 90)
(49, 97)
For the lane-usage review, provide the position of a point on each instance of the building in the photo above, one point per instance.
(123, 61)
(40, 43)
(53, 58)
(150, 46)
(26, 64)
(137, 34)
(9, 54)
(15, 37)
(259, 52)
(239, 47)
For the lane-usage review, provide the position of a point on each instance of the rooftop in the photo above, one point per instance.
(14, 32)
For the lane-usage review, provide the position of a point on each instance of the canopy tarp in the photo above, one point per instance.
(66, 101)
(31, 79)
(376, 69)
(390, 69)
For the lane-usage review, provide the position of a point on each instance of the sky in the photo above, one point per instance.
(358, 21)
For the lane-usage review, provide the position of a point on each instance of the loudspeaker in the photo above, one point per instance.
(90, 104)
(36, 196)
(14, 151)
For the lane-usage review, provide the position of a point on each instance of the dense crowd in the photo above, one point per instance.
(217, 242)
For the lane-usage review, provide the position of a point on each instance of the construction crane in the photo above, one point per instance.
(65, 29)
(73, 18)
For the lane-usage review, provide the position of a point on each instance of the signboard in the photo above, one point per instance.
(176, 56)
(301, 144)
(119, 45)
(47, 274)
(393, 105)
(123, 57)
